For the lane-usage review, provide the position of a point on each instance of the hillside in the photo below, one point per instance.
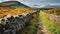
(55, 11)
(51, 20)
(14, 11)
(25, 20)
(21, 19)
(13, 4)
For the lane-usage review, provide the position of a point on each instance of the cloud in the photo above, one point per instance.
(27, 3)
(50, 5)
(38, 6)
(34, 5)
(54, 4)
(19, 0)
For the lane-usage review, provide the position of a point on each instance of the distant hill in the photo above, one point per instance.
(51, 6)
(13, 4)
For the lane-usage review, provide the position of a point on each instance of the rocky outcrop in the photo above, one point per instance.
(12, 24)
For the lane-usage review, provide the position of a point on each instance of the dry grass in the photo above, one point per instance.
(15, 11)
(48, 18)
(55, 11)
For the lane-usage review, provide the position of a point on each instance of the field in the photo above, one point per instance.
(32, 27)
(14, 11)
(50, 19)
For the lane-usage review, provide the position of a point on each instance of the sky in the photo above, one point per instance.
(38, 3)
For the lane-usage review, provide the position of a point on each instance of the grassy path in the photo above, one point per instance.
(51, 26)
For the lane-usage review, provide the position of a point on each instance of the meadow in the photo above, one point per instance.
(50, 18)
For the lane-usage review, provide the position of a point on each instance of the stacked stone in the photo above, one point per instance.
(12, 24)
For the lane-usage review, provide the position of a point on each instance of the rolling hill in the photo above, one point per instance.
(13, 4)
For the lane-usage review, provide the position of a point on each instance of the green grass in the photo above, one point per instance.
(52, 27)
(33, 24)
